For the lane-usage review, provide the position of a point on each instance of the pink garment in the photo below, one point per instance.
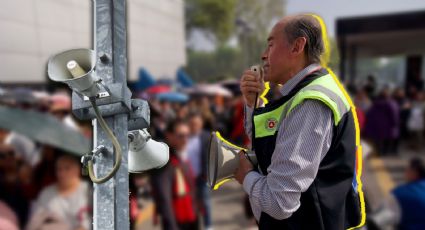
(8, 219)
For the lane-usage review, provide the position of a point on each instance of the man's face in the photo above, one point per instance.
(179, 138)
(277, 56)
(196, 124)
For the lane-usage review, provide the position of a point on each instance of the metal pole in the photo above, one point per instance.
(111, 199)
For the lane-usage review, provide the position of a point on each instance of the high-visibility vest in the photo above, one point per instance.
(332, 201)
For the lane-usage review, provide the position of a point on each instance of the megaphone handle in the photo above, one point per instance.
(247, 157)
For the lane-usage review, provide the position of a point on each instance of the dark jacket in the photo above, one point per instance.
(162, 181)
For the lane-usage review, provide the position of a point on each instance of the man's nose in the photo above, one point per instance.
(264, 55)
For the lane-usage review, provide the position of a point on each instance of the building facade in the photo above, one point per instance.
(33, 30)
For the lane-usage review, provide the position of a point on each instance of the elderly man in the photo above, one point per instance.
(305, 141)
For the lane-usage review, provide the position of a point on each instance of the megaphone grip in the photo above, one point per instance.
(75, 69)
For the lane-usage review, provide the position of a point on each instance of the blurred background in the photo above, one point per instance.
(185, 58)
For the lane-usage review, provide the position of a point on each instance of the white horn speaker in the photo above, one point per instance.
(223, 160)
(145, 153)
(76, 68)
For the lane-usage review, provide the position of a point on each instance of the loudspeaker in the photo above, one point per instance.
(76, 68)
(145, 153)
(223, 160)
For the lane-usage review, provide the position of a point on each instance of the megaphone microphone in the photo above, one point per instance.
(259, 70)
(223, 159)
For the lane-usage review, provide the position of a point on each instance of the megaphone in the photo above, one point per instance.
(223, 160)
(145, 153)
(76, 68)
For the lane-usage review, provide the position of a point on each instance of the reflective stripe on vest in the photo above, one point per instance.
(324, 89)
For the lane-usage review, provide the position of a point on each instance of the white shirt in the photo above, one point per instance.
(194, 154)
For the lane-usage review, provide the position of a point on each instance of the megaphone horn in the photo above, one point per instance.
(76, 68)
(223, 160)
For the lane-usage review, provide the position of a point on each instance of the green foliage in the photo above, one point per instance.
(247, 20)
(216, 18)
(224, 63)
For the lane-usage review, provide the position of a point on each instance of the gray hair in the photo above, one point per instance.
(308, 27)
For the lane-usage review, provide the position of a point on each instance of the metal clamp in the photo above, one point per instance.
(90, 157)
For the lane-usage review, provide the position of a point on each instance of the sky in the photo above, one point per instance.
(330, 10)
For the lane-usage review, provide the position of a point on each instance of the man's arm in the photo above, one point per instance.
(303, 139)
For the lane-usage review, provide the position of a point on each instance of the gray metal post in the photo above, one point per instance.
(111, 199)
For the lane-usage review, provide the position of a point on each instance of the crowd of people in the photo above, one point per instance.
(389, 116)
(42, 187)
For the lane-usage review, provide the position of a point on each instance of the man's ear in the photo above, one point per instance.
(299, 45)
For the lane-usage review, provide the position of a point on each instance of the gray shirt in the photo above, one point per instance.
(304, 138)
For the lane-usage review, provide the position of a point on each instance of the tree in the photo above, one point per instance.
(249, 21)
(214, 18)
(254, 19)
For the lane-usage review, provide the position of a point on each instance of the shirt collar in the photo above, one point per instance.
(291, 83)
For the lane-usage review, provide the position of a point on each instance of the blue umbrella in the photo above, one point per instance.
(184, 79)
(145, 81)
(172, 97)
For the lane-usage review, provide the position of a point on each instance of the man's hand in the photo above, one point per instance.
(245, 167)
(251, 84)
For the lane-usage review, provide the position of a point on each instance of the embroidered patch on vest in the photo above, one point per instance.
(271, 124)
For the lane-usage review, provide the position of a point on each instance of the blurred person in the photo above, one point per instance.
(362, 100)
(415, 121)
(8, 219)
(197, 153)
(25, 148)
(173, 187)
(382, 123)
(237, 134)
(204, 106)
(182, 112)
(404, 105)
(43, 172)
(65, 203)
(60, 107)
(167, 110)
(11, 191)
(414, 83)
(221, 114)
(370, 86)
(405, 206)
(307, 154)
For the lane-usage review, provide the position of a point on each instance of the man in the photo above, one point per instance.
(197, 151)
(405, 206)
(64, 205)
(172, 185)
(305, 141)
(410, 197)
